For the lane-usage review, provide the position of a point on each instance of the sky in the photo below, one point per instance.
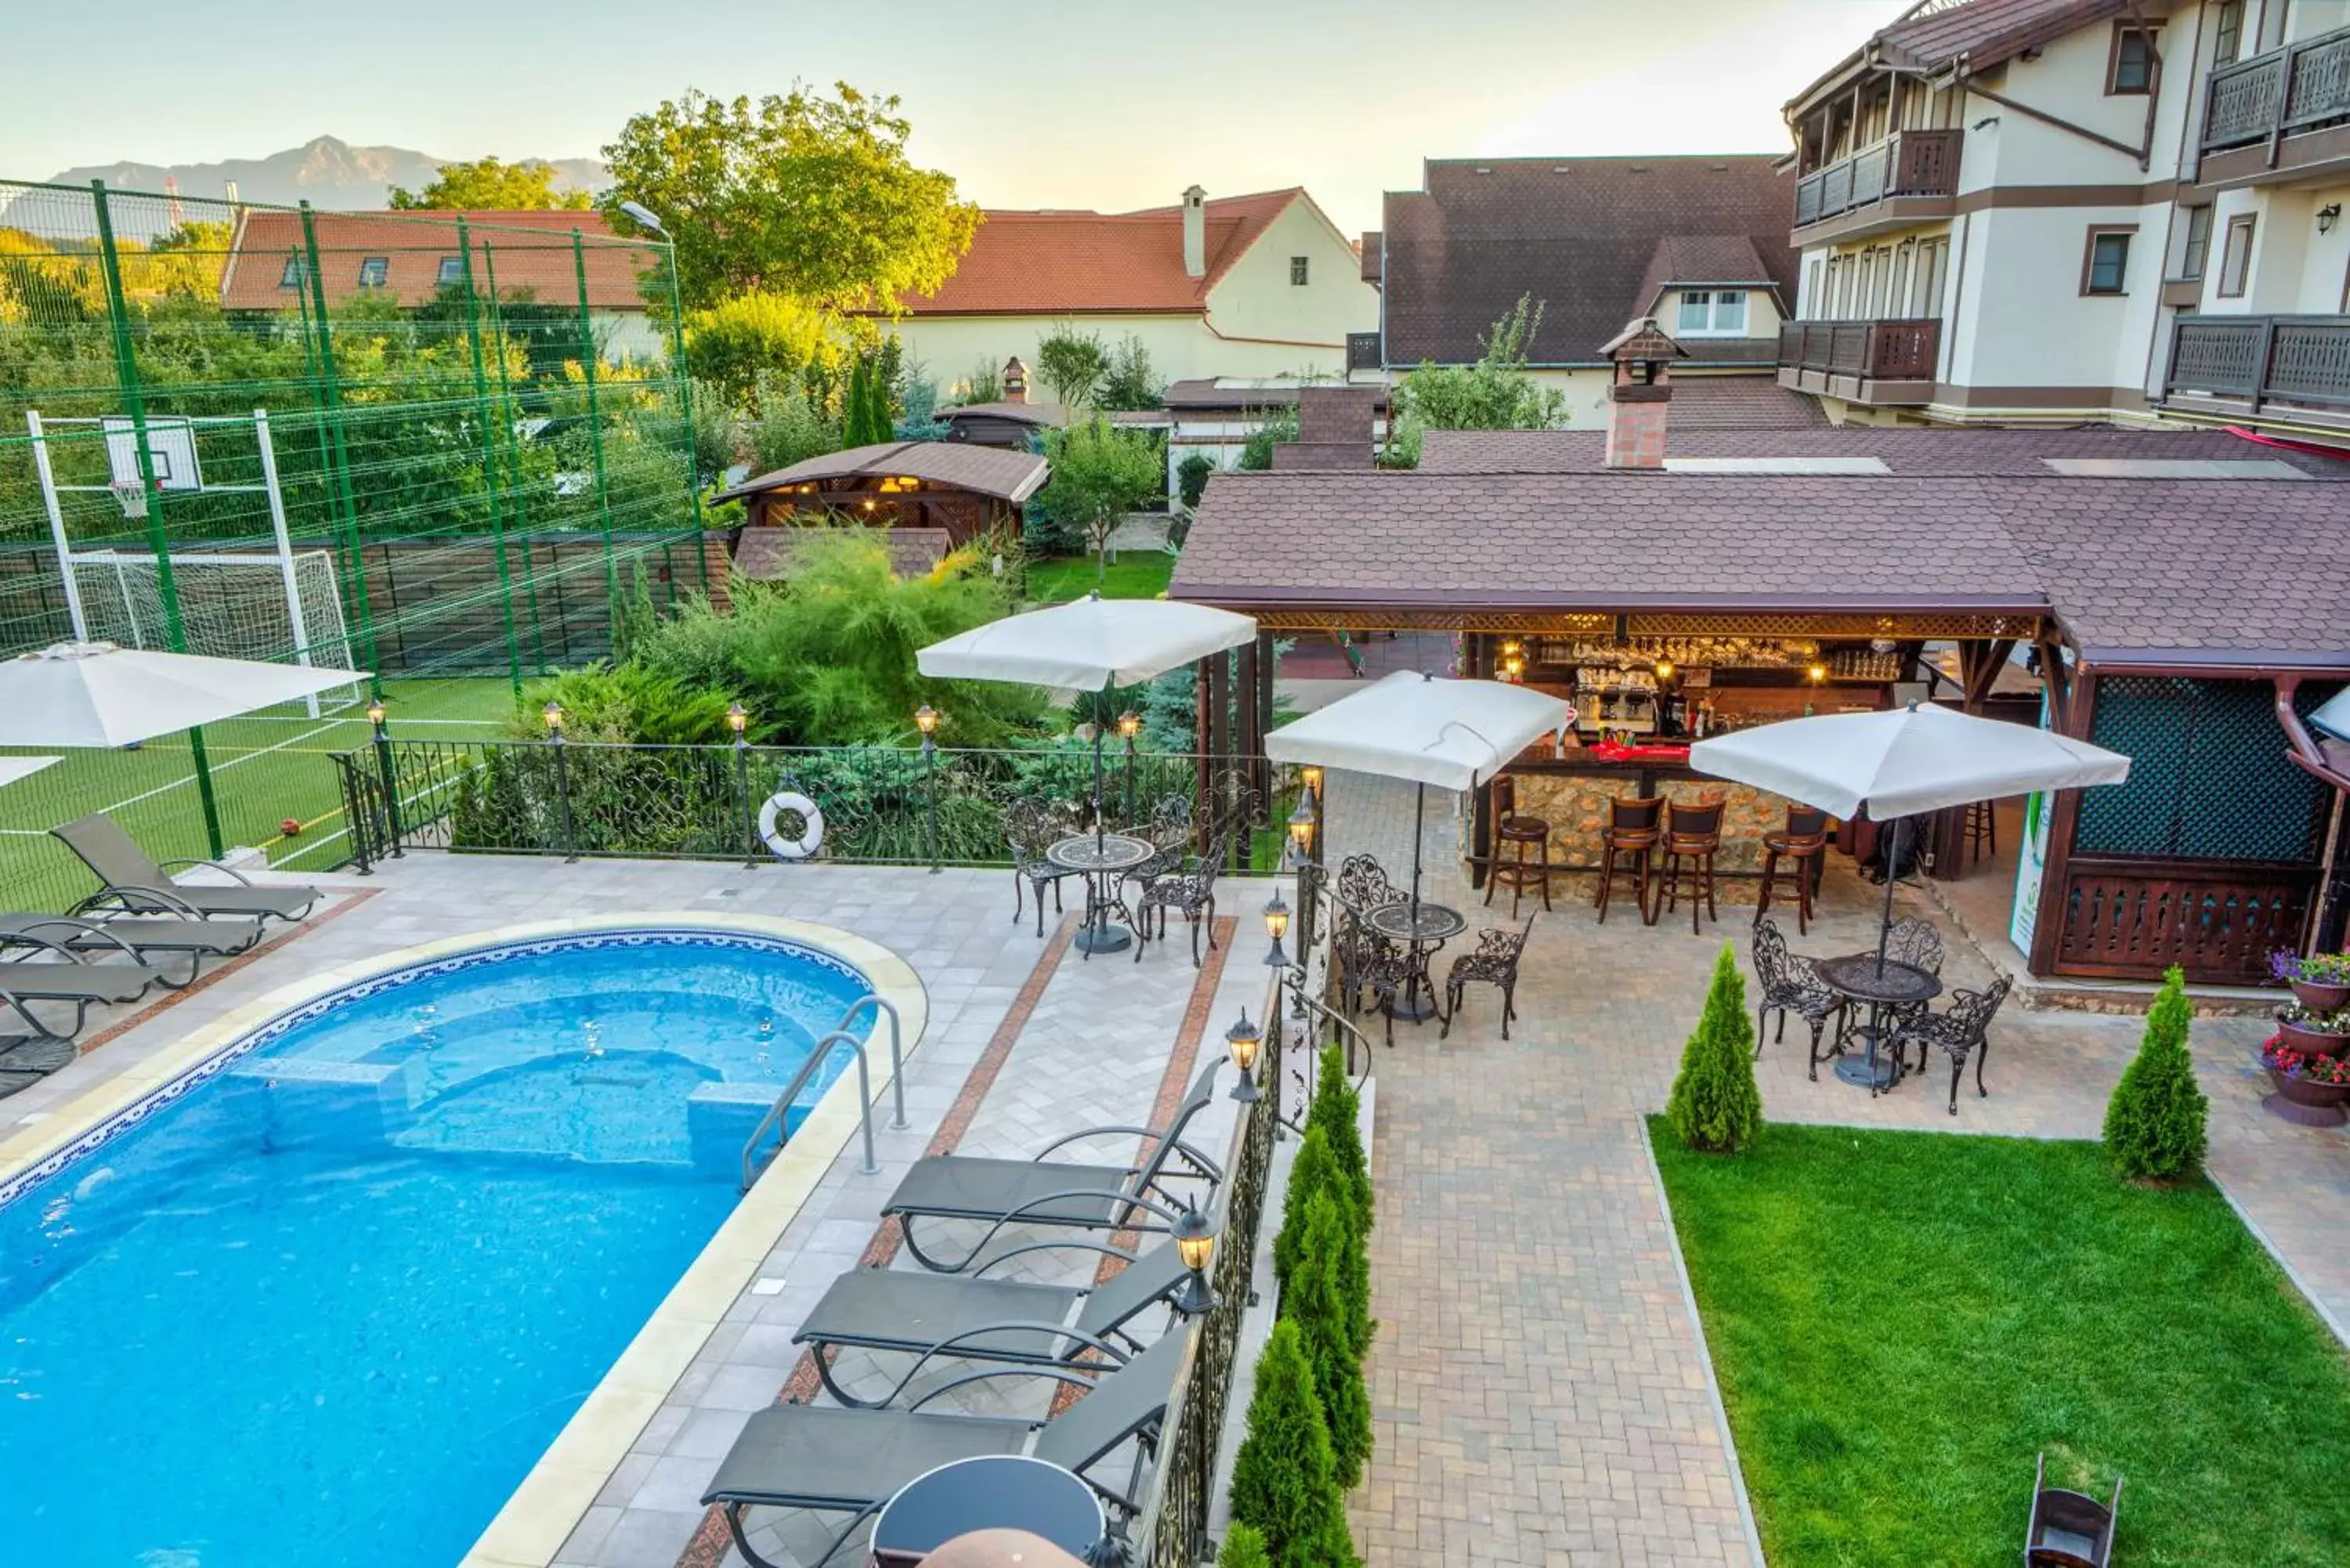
(1039, 103)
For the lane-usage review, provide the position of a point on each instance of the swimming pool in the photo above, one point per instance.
(325, 1298)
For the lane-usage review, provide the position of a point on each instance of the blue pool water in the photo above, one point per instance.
(326, 1308)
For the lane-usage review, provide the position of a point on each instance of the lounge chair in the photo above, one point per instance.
(964, 1318)
(67, 977)
(138, 886)
(140, 937)
(828, 1460)
(1000, 1192)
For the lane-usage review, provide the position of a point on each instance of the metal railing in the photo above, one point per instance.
(1900, 349)
(1908, 163)
(774, 1119)
(2261, 358)
(2266, 98)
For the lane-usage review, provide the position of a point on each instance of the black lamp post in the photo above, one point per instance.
(1243, 1039)
(383, 768)
(1195, 1242)
(738, 718)
(553, 714)
(926, 719)
(1277, 925)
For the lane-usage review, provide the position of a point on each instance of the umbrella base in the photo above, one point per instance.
(1860, 1071)
(1104, 939)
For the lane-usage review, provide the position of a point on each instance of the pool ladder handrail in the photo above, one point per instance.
(839, 1036)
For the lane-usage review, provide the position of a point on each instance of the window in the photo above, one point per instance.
(2105, 268)
(1297, 269)
(293, 276)
(1713, 313)
(2192, 254)
(2229, 37)
(2236, 257)
(2135, 62)
(373, 271)
(452, 270)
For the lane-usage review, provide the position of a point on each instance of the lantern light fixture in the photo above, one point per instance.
(553, 714)
(1194, 1236)
(738, 718)
(1244, 1040)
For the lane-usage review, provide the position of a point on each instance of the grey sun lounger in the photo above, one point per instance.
(138, 886)
(68, 978)
(1000, 1192)
(964, 1317)
(829, 1461)
(139, 937)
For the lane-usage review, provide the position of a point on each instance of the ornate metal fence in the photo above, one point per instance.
(878, 804)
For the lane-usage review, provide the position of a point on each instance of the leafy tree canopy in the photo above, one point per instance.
(805, 195)
(738, 344)
(1494, 394)
(487, 183)
(1071, 363)
(1100, 473)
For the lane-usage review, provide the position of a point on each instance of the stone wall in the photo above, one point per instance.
(1575, 807)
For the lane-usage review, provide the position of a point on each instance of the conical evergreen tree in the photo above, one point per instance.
(1334, 1109)
(2155, 1122)
(1284, 1483)
(1314, 1170)
(1244, 1548)
(1320, 1300)
(1714, 1104)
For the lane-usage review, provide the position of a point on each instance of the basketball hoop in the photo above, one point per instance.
(132, 495)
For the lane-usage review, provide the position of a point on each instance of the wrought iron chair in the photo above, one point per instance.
(1032, 828)
(2069, 1529)
(1170, 828)
(1495, 962)
(1361, 886)
(1790, 984)
(1190, 892)
(1958, 1031)
(1917, 943)
(1386, 970)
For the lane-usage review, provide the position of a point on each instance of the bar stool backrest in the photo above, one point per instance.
(1807, 822)
(1626, 815)
(1505, 796)
(1701, 819)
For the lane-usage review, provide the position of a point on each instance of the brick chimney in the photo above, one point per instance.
(1336, 429)
(1640, 398)
(1015, 381)
(1195, 233)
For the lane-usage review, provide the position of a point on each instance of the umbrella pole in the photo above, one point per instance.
(1892, 869)
(1419, 806)
(1097, 789)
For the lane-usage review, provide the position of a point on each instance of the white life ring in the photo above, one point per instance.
(810, 839)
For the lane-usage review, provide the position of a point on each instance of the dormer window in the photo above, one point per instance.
(293, 274)
(452, 271)
(2135, 62)
(374, 271)
(1712, 313)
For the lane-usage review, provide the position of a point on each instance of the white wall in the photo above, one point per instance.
(1255, 299)
(2020, 318)
(1182, 347)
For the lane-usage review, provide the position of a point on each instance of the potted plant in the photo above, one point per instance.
(2312, 1033)
(2321, 982)
(2311, 1090)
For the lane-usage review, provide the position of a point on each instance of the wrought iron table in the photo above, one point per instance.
(998, 1491)
(1421, 929)
(1100, 858)
(1860, 978)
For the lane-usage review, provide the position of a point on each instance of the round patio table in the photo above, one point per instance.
(1421, 929)
(1861, 978)
(996, 1491)
(1100, 858)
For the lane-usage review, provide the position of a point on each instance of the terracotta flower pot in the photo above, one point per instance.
(2320, 998)
(2309, 1103)
(2310, 1042)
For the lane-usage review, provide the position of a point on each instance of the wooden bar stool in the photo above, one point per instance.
(1801, 843)
(1983, 829)
(1516, 835)
(1632, 829)
(1692, 835)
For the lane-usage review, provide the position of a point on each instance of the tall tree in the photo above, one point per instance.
(806, 194)
(488, 184)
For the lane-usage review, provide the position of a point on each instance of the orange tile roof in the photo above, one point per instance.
(1068, 263)
(530, 251)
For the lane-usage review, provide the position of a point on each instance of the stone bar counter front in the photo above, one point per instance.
(1572, 794)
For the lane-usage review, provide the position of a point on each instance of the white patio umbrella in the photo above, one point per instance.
(1432, 730)
(1902, 763)
(96, 694)
(1087, 645)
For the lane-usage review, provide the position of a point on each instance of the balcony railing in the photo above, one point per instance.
(2295, 87)
(2263, 358)
(1900, 350)
(1910, 163)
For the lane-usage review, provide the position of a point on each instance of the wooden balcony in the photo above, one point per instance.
(2291, 369)
(2281, 115)
(1882, 363)
(1910, 176)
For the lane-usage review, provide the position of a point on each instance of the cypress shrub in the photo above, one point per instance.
(1330, 1322)
(1244, 1548)
(1715, 1106)
(2154, 1122)
(1284, 1481)
(1335, 1105)
(1314, 1171)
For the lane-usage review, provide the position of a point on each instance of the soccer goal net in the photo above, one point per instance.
(285, 609)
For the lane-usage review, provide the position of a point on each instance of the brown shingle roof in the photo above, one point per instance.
(982, 470)
(1049, 414)
(2245, 575)
(1987, 31)
(1697, 259)
(530, 252)
(1048, 263)
(1580, 234)
(1905, 452)
(1194, 396)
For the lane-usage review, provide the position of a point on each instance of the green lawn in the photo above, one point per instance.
(1136, 574)
(265, 770)
(1900, 1321)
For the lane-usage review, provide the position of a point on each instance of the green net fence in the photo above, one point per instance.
(437, 447)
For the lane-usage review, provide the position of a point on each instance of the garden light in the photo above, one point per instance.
(738, 718)
(1302, 823)
(1195, 1243)
(553, 714)
(1311, 776)
(1276, 923)
(926, 719)
(1130, 725)
(1243, 1039)
(375, 712)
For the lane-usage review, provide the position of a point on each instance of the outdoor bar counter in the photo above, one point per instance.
(1571, 793)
